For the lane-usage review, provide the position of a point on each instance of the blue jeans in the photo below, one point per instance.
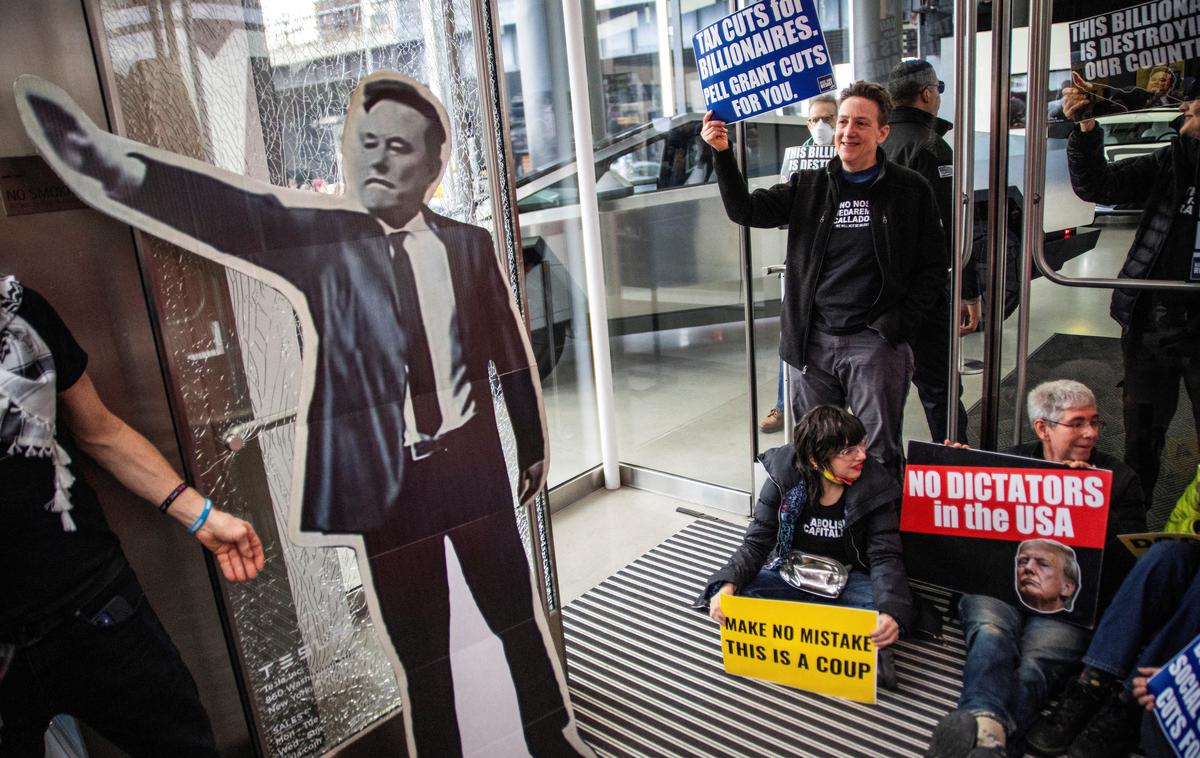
(768, 585)
(1014, 661)
(1157, 606)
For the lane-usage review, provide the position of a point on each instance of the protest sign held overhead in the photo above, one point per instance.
(819, 648)
(1143, 56)
(1176, 690)
(762, 57)
(804, 157)
(1026, 531)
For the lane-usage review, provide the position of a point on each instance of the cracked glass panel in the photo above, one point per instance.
(260, 89)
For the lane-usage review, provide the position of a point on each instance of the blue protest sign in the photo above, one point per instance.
(763, 57)
(1176, 690)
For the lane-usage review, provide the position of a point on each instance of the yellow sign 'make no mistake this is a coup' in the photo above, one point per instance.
(819, 648)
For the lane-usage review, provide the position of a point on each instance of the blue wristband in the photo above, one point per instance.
(199, 522)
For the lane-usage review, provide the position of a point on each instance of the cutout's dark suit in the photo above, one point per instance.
(341, 261)
(360, 477)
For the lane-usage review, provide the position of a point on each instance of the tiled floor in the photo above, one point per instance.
(598, 535)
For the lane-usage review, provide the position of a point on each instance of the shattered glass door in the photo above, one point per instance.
(260, 89)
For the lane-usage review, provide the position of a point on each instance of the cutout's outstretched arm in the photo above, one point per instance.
(80, 145)
(206, 210)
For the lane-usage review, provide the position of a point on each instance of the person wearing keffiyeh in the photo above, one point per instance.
(76, 632)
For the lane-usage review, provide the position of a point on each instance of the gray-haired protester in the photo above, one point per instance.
(999, 700)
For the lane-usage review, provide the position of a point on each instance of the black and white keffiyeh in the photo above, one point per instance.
(29, 396)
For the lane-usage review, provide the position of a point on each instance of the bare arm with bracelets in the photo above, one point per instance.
(141, 468)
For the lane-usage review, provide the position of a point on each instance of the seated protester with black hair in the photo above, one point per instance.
(77, 634)
(826, 497)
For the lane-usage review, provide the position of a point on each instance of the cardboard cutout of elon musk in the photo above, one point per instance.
(401, 311)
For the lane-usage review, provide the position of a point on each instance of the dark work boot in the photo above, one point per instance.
(887, 669)
(1052, 734)
(954, 735)
(1112, 732)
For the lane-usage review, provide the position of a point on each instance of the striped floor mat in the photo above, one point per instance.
(646, 675)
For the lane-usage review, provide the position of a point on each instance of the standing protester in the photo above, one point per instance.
(915, 141)
(86, 640)
(1160, 330)
(822, 113)
(866, 260)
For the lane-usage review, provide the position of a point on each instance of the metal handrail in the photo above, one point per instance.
(789, 423)
(964, 181)
(236, 436)
(997, 219)
(1033, 238)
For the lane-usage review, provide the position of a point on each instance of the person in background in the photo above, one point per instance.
(822, 112)
(916, 141)
(1160, 329)
(81, 636)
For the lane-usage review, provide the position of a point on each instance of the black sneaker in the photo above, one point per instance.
(1112, 732)
(954, 735)
(987, 752)
(887, 669)
(1052, 734)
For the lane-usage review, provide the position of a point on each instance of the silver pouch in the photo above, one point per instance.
(814, 573)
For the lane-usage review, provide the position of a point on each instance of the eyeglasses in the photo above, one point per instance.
(941, 86)
(827, 119)
(847, 452)
(1078, 424)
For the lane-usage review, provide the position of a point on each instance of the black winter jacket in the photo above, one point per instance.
(1160, 179)
(915, 141)
(1126, 515)
(872, 533)
(907, 231)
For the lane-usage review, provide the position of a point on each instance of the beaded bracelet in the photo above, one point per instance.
(171, 498)
(199, 522)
